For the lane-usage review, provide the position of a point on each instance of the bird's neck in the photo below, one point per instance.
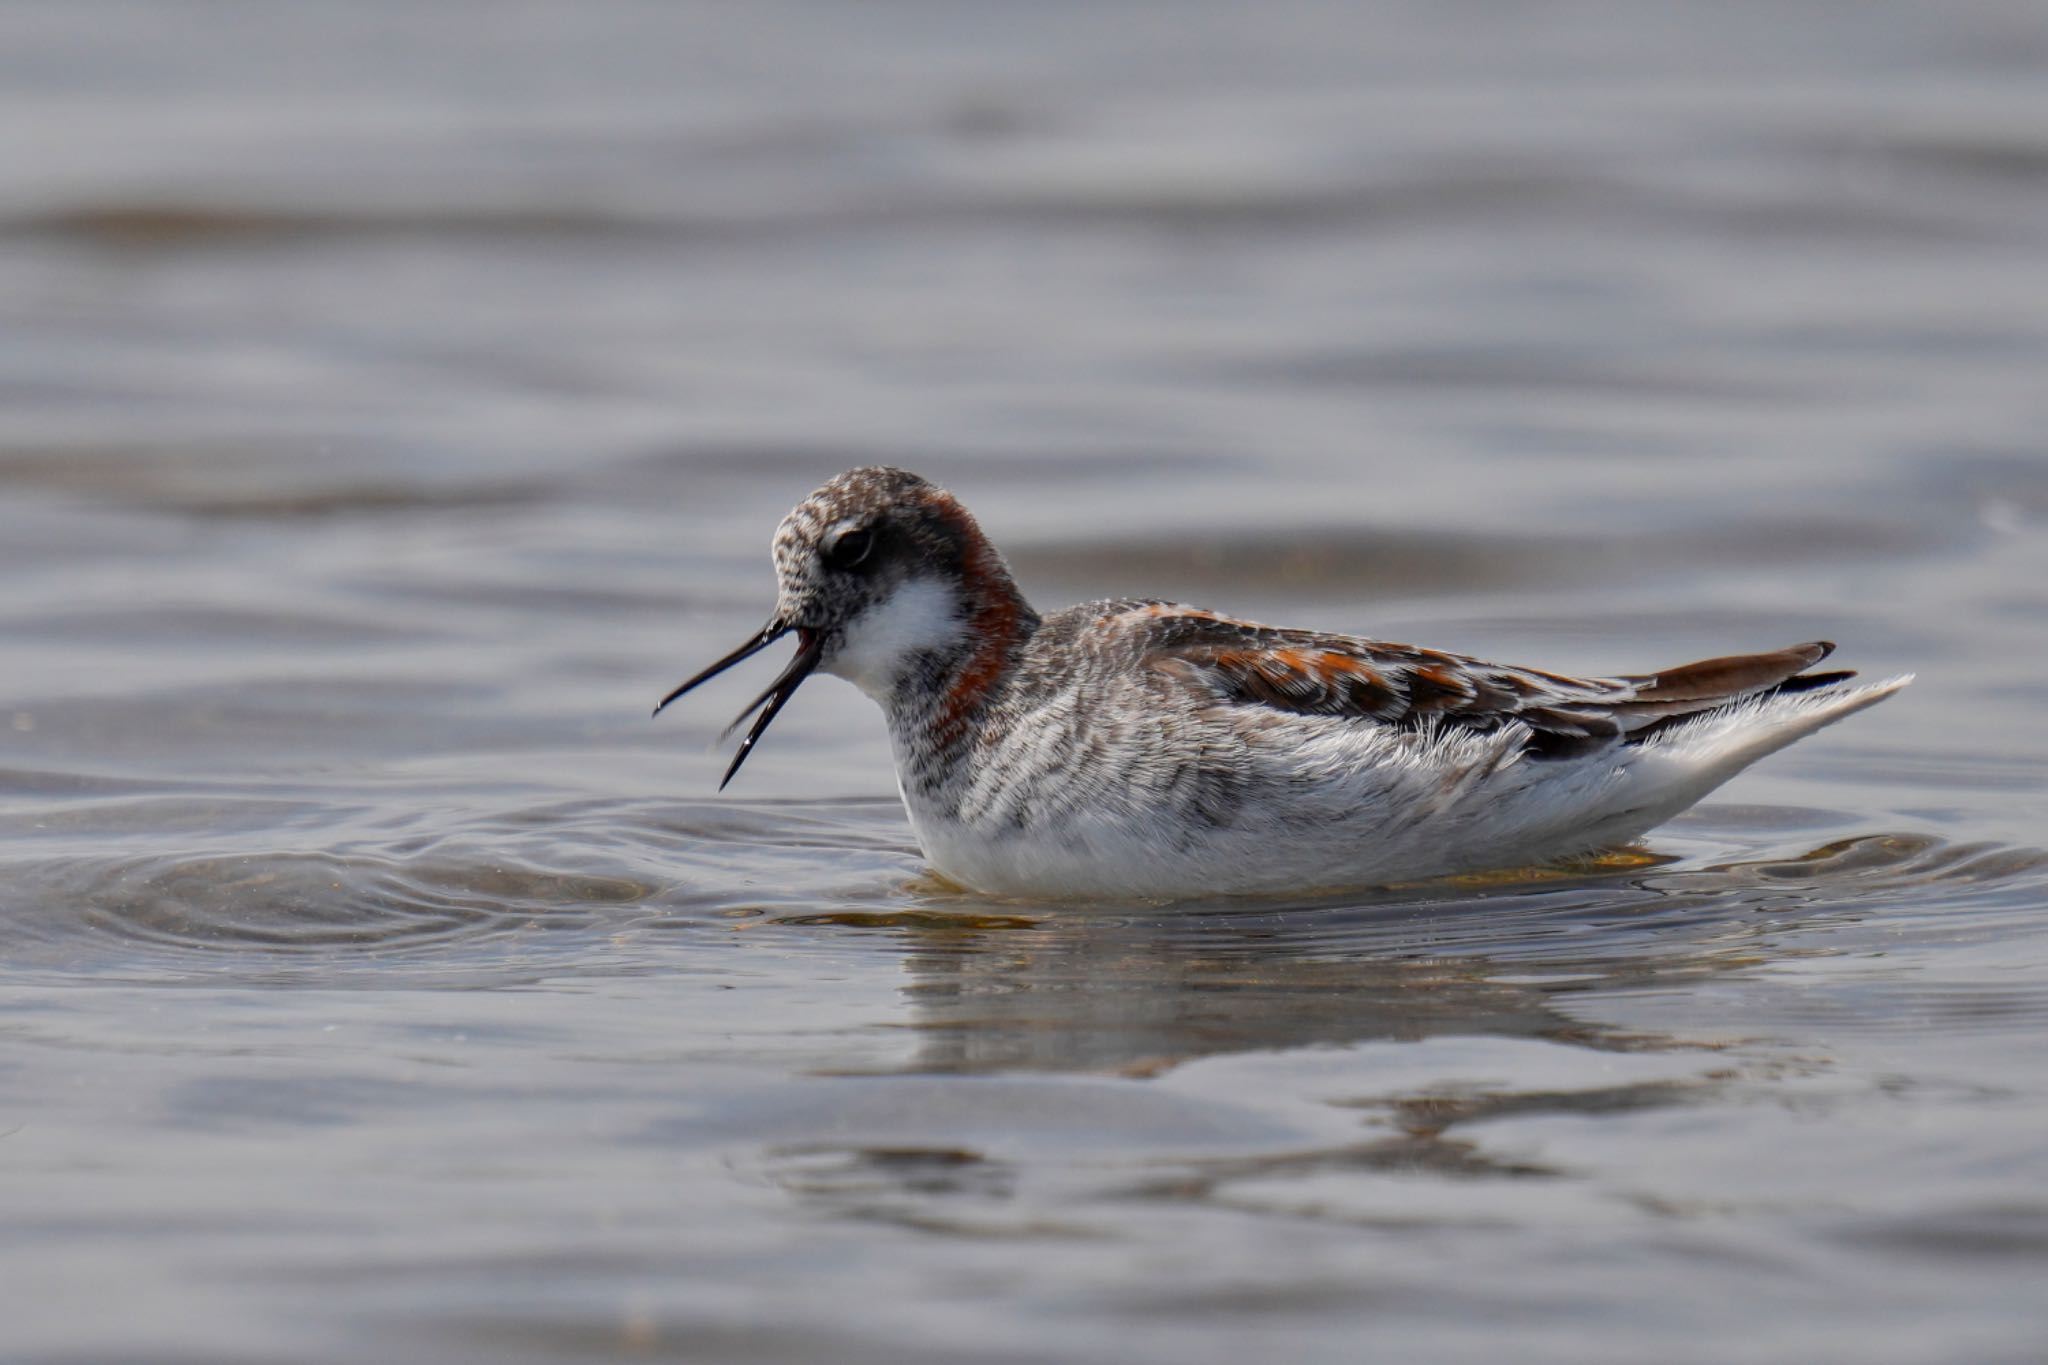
(937, 704)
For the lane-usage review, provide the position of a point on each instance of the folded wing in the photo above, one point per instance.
(1314, 674)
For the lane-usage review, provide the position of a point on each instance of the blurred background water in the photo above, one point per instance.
(396, 399)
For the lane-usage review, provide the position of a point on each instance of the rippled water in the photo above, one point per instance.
(398, 400)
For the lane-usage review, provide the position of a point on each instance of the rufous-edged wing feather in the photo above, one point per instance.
(1310, 673)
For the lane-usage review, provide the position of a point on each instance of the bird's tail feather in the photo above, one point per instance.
(1697, 754)
(1736, 736)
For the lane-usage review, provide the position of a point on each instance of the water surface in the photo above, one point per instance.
(398, 400)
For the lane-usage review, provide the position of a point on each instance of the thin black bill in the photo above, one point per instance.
(780, 691)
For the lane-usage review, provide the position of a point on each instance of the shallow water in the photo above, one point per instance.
(398, 400)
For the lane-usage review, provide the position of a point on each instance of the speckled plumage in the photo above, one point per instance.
(1136, 748)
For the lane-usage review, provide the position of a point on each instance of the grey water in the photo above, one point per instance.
(396, 399)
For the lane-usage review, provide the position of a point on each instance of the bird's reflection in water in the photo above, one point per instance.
(1490, 966)
(1090, 996)
(1002, 987)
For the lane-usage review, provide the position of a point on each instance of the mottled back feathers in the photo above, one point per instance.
(1317, 674)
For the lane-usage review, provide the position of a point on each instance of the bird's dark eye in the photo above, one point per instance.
(849, 547)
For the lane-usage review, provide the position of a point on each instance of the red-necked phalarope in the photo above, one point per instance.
(1137, 748)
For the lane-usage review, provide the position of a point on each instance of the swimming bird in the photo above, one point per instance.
(1136, 748)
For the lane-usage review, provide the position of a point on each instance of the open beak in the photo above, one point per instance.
(809, 648)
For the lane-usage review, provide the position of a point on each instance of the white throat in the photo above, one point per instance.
(878, 644)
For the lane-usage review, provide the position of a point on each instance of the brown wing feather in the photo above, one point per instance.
(1401, 685)
(1735, 675)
